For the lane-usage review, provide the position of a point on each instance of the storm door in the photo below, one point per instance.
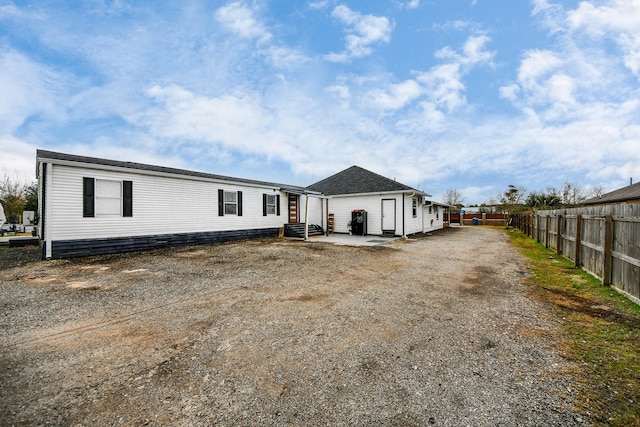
(389, 216)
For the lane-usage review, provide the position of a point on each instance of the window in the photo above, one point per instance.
(414, 207)
(103, 197)
(270, 204)
(229, 203)
(108, 197)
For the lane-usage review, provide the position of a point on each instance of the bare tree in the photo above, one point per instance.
(453, 197)
(572, 194)
(12, 196)
(596, 192)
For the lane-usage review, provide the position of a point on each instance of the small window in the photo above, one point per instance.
(229, 203)
(104, 197)
(414, 207)
(271, 204)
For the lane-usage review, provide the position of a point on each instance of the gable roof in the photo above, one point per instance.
(356, 180)
(630, 192)
(63, 158)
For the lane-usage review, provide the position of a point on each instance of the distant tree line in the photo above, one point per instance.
(517, 198)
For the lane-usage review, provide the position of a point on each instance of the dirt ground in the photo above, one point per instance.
(435, 330)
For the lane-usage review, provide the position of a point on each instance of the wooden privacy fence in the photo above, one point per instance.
(483, 218)
(603, 240)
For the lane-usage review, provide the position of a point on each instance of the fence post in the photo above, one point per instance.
(559, 234)
(608, 243)
(546, 231)
(578, 261)
(530, 233)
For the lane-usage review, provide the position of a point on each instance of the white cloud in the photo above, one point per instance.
(397, 96)
(363, 32)
(318, 5)
(618, 20)
(580, 72)
(18, 158)
(241, 20)
(442, 85)
(537, 64)
(284, 57)
(27, 89)
(412, 4)
(473, 52)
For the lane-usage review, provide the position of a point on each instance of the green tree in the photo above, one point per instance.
(512, 200)
(31, 197)
(544, 200)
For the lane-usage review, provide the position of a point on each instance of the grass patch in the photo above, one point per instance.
(601, 333)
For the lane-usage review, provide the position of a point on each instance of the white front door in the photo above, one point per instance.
(388, 215)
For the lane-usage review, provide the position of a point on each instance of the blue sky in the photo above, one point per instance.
(472, 95)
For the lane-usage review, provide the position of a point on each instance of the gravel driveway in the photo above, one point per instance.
(436, 330)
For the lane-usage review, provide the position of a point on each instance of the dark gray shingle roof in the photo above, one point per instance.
(51, 155)
(630, 192)
(356, 180)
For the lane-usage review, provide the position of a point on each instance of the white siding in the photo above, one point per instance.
(435, 219)
(317, 211)
(161, 205)
(342, 207)
(412, 225)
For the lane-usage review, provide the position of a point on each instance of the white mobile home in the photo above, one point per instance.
(92, 206)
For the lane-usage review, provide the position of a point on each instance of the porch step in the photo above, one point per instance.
(296, 229)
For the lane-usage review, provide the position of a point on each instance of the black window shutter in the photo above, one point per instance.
(264, 205)
(239, 203)
(220, 202)
(278, 204)
(127, 198)
(88, 201)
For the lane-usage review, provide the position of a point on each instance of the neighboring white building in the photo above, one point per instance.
(90, 206)
(392, 208)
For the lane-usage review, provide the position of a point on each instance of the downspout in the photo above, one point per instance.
(306, 217)
(45, 244)
(327, 214)
(322, 216)
(403, 211)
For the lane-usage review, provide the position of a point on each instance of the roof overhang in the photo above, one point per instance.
(383, 193)
(303, 191)
(144, 169)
